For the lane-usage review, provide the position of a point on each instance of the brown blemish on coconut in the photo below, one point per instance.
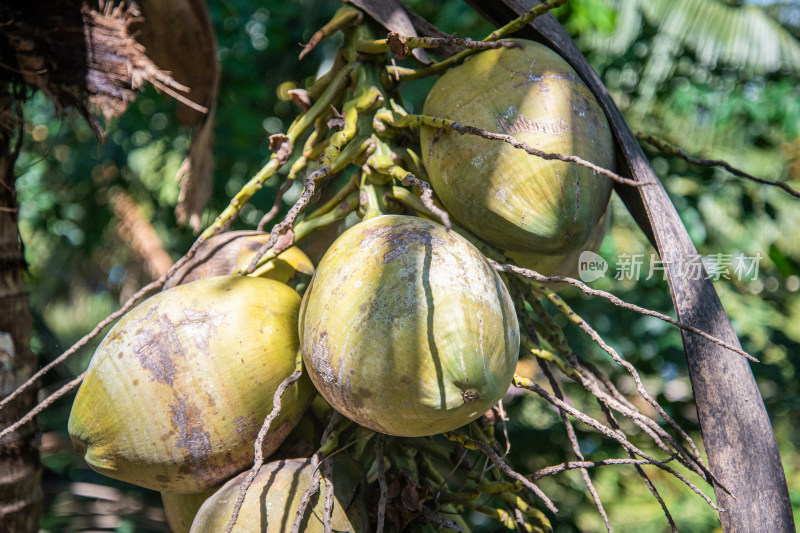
(193, 439)
(157, 349)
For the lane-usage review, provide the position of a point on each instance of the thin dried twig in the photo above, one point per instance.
(410, 180)
(532, 274)
(651, 487)
(571, 465)
(311, 490)
(276, 206)
(313, 485)
(671, 149)
(510, 139)
(284, 227)
(502, 465)
(576, 449)
(589, 377)
(262, 434)
(446, 124)
(41, 406)
(525, 383)
(576, 319)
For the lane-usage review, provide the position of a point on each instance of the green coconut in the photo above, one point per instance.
(176, 392)
(406, 328)
(563, 265)
(180, 509)
(273, 499)
(518, 202)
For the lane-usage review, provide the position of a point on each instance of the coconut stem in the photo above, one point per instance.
(345, 16)
(401, 45)
(295, 131)
(407, 74)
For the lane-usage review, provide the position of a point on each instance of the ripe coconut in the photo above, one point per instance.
(225, 253)
(273, 499)
(518, 202)
(176, 392)
(406, 328)
(180, 509)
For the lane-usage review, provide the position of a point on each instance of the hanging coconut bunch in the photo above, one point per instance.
(426, 310)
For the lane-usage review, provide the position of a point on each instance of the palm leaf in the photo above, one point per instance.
(719, 34)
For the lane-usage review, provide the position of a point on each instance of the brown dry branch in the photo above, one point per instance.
(284, 228)
(311, 490)
(41, 406)
(645, 423)
(573, 317)
(258, 460)
(498, 461)
(572, 465)
(409, 180)
(671, 149)
(313, 485)
(532, 274)
(472, 130)
(155, 285)
(384, 498)
(311, 150)
(576, 449)
(612, 422)
(276, 205)
(589, 379)
(525, 383)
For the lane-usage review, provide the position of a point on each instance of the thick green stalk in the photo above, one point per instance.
(405, 74)
(296, 130)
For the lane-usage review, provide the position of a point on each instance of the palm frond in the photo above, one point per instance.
(719, 34)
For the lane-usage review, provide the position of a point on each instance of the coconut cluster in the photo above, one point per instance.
(405, 328)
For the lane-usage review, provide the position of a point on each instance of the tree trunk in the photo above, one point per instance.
(21, 499)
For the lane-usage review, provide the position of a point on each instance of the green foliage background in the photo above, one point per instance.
(80, 270)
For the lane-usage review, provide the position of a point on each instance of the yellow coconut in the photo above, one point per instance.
(407, 329)
(178, 389)
(566, 265)
(515, 201)
(273, 499)
(225, 253)
(181, 509)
